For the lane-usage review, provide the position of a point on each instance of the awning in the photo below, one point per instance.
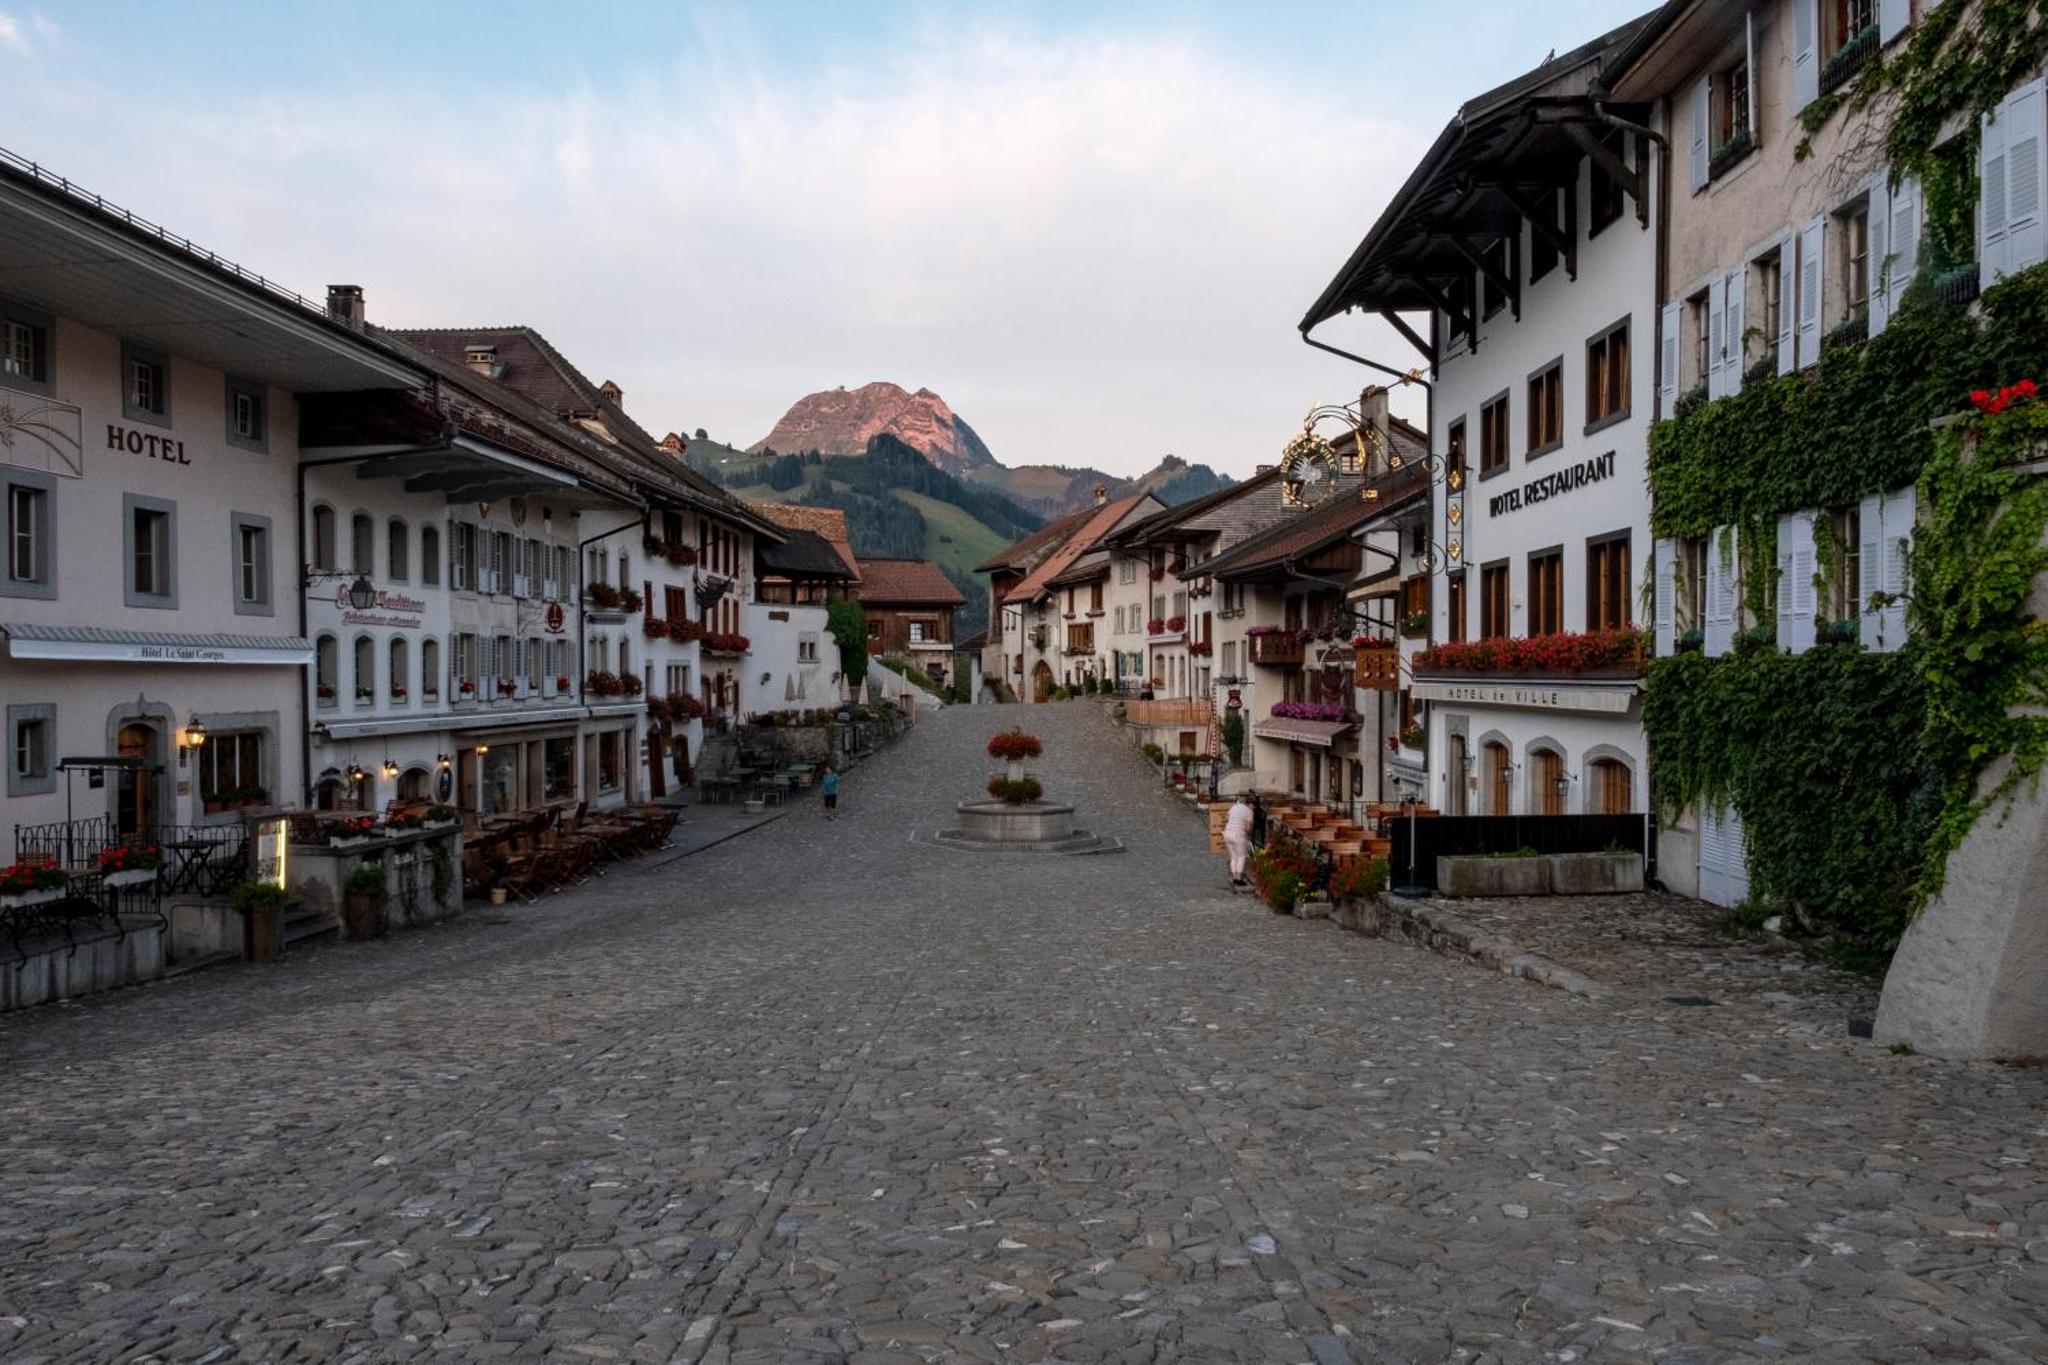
(100, 645)
(477, 720)
(1320, 733)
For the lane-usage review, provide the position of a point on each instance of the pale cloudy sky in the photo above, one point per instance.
(1091, 228)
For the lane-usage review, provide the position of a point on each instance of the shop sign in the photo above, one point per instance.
(1552, 485)
(1534, 696)
(391, 609)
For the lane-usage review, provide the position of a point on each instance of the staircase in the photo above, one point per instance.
(305, 923)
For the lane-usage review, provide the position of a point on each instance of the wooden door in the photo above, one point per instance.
(135, 796)
(1456, 768)
(1499, 791)
(1545, 768)
(1041, 682)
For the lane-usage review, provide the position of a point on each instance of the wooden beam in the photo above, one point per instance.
(1457, 312)
(1566, 246)
(1505, 283)
(1605, 158)
(1410, 334)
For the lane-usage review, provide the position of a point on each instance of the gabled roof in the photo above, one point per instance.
(528, 364)
(1026, 552)
(827, 523)
(1103, 520)
(1315, 529)
(802, 554)
(915, 582)
(1139, 531)
(1518, 138)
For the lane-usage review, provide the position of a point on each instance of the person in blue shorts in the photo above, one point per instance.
(831, 786)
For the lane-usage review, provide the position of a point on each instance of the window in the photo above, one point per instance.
(1843, 22)
(1493, 437)
(398, 671)
(1546, 408)
(430, 669)
(231, 772)
(1731, 106)
(1844, 595)
(1607, 192)
(1689, 587)
(24, 348)
(917, 632)
(1607, 574)
(251, 564)
(326, 670)
(323, 539)
(1770, 283)
(462, 558)
(1454, 602)
(145, 385)
(1546, 592)
(362, 539)
(430, 555)
(611, 760)
(1500, 256)
(1493, 601)
(1607, 376)
(247, 427)
(397, 551)
(1230, 658)
(1855, 256)
(365, 675)
(1127, 571)
(150, 551)
(1698, 317)
(31, 534)
(31, 735)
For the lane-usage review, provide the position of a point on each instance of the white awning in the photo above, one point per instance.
(468, 720)
(97, 644)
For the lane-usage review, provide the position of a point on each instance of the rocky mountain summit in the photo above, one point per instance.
(842, 421)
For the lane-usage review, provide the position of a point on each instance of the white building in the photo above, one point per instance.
(149, 465)
(1527, 238)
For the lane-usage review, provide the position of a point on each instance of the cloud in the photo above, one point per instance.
(11, 36)
(1095, 247)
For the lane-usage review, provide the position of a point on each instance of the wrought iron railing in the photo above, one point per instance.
(200, 860)
(1849, 59)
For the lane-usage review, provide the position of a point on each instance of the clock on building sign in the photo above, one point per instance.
(1308, 470)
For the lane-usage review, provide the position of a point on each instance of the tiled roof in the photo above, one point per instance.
(803, 554)
(1133, 533)
(917, 581)
(826, 522)
(1313, 529)
(1100, 523)
(1026, 552)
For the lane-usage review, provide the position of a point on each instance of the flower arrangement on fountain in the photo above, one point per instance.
(1012, 787)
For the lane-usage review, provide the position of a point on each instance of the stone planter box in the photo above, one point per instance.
(24, 899)
(1595, 874)
(139, 876)
(1481, 876)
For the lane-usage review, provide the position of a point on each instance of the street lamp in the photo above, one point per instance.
(195, 733)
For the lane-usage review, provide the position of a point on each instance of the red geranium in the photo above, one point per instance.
(1014, 746)
(1565, 652)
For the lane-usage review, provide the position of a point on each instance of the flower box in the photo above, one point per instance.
(1605, 654)
(134, 876)
(21, 900)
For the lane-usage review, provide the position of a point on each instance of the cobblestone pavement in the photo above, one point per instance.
(819, 1093)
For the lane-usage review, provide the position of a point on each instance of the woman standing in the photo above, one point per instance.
(1237, 837)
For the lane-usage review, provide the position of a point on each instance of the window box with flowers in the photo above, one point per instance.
(465, 690)
(438, 816)
(1415, 625)
(351, 832)
(1176, 624)
(1591, 655)
(506, 687)
(630, 684)
(129, 864)
(365, 696)
(398, 692)
(654, 628)
(324, 693)
(602, 596)
(604, 683)
(24, 884)
(655, 546)
(1275, 646)
(1330, 711)
(561, 682)
(681, 554)
(629, 599)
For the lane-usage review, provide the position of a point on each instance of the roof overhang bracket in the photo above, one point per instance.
(1510, 290)
(1629, 178)
(1410, 335)
(1564, 242)
(1459, 313)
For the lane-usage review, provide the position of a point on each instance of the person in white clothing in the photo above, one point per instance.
(1237, 837)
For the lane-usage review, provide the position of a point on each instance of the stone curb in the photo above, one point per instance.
(1427, 924)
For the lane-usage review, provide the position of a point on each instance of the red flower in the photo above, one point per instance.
(2025, 388)
(1981, 397)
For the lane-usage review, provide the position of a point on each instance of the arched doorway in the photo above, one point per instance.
(1499, 791)
(1041, 682)
(1546, 782)
(412, 785)
(1612, 787)
(135, 783)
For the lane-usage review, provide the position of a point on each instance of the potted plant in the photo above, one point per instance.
(351, 832)
(561, 682)
(630, 683)
(629, 599)
(1013, 746)
(440, 816)
(465, 688)
(602, 595)
(324, 691)
(129, 864)
(655, 546)
(1358, 879)
(398, 691)
(363, 902)
(24, 884)
(1015, 791)
(261, 906)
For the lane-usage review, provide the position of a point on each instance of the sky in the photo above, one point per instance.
(1091, 228)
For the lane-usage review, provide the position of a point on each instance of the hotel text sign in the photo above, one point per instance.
(1535, 696)
(1551, 485)
(135, 442)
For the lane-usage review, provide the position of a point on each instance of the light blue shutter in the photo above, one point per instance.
(1665, 598)
(1878, 217)
(1870, 569)
(1812, 249)
(1805, 53)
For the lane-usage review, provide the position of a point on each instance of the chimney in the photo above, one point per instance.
(345, 303)
(613, 394)
(1101, 494)
(1372, 406)
(483, 359)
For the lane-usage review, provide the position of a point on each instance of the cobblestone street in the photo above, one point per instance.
(823, 1093)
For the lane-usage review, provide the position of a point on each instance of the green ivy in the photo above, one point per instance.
(848, 624)
(1858, 774)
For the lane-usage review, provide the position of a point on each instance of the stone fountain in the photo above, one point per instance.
(1014, 819)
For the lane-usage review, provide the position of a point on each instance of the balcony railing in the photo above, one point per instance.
(1849, 60)
(1276, 649)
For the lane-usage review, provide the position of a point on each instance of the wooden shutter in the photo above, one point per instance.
(1796, 596)
(1735, 855)
(1900, 511)
(1665, 598)
(1723, 575)
(1717, 338)
(1667, 363)
(1878, 216)
(1991, 216)
(1870, 569)
(1805, 53)
(1812, 239)
(1788, 294)
(1698, 149)
(1892, 18)
(1749, 66)
(1732, 377)
(1903, 238)
(2025, 145)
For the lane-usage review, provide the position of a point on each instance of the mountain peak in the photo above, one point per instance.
(842, 421)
